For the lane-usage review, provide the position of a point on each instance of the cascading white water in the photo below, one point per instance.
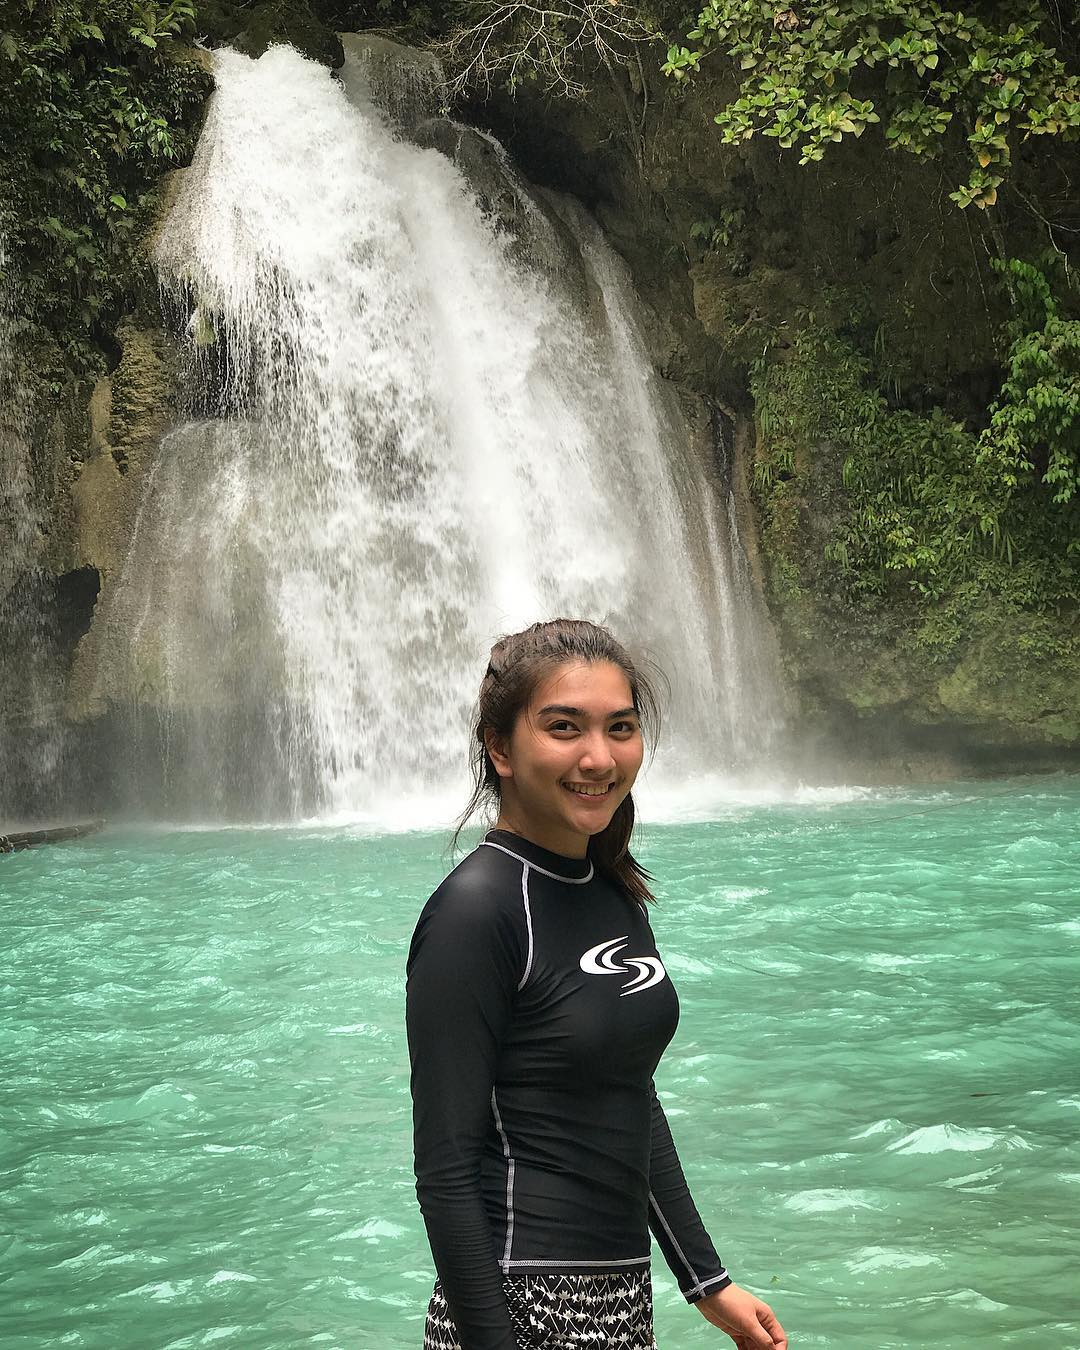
(428, 431)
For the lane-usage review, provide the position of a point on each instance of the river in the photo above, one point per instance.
(874, 1086)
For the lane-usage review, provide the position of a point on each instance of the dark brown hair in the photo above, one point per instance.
(517, 664)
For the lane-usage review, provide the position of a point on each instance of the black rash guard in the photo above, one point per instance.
(537, 1011)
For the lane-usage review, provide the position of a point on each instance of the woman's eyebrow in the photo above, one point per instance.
(567, 711)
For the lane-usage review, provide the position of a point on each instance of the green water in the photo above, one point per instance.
(875, 1086)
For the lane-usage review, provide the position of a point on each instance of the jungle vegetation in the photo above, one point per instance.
(952, 514)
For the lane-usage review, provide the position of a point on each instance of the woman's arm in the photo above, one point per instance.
(463, 970)
(688, 1250)
(674, 1219)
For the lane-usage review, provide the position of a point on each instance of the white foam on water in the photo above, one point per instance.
(887, 1126)
(946, 1138)
(831, 1200)
(869, 1259)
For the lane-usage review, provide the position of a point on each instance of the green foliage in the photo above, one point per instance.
(94, 106)
(922, 508)
(808, 77)
(722, 231)
(1034, 428)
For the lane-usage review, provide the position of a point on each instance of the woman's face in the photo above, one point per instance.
(571, 759)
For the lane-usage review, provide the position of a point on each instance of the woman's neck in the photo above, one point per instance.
(566, 843)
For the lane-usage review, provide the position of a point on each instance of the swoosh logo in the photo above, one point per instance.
(602, 959)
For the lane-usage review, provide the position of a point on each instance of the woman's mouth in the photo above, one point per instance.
(589, 789)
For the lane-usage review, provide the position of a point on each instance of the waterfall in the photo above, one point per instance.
(421, 414)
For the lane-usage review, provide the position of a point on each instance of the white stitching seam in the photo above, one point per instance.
(700, 1288)
(570, 881)
(528, 924)
(606, 1265)
(701, 1285)
(510, 1168)
(509, 1183)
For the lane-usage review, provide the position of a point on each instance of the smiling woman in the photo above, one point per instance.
(538, 1008)
(562, 719)
(567, 766)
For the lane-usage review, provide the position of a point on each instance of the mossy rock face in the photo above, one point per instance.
(253, 28)
(1007, 681)
(127, 414)
(142, 402)
(1013, 682)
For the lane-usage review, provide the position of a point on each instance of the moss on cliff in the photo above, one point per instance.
(252, 27)
(880, 520)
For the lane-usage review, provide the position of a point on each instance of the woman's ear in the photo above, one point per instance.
(496, 747)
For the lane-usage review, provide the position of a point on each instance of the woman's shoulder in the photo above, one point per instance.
(477, 908)
(485, 885)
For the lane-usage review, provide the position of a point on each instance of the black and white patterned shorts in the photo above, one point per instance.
(563, 1312)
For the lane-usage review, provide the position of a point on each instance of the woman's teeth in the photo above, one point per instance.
(589, 789)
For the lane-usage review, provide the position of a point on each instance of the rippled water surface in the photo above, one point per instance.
(875, 1086)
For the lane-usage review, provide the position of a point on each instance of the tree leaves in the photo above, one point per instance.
(800, 66)
(926, 504)
(90, 113)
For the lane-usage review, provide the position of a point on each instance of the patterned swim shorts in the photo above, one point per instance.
(563, 1312)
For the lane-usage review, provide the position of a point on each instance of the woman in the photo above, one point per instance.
(537, 1010)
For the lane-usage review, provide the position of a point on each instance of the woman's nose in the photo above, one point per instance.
(596, 756)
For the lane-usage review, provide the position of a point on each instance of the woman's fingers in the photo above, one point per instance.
(771, 1323)
(752, 1337)
(750, 1322)
(766, 1333)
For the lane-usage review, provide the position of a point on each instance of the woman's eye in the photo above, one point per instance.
(621, 728)
(562, 726)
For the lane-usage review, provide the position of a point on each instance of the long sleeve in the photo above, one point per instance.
(464, 967)
(674, 1219)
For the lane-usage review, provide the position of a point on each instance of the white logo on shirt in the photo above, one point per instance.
(601, 960)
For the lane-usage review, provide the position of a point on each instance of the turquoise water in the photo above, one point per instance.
(875, 1087)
